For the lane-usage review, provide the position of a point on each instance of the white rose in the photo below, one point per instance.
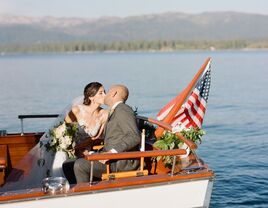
(60, 130)
(63, 146)
(68, 140)
(65, 142)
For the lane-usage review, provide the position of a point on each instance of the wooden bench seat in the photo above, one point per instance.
(3, 163)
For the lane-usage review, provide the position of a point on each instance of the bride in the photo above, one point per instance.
(40, 163)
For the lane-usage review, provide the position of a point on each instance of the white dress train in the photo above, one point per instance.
(38, 163)
(59, 159)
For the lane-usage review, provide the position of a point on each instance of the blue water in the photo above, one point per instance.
(236, 121)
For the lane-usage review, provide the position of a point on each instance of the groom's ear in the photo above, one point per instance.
(114, 93)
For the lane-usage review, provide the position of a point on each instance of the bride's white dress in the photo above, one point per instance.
(39, 163)
(84, 132)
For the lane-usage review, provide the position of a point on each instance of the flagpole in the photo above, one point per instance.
(184, 94)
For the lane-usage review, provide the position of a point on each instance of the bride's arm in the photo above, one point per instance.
(86, 143)
(72, 115)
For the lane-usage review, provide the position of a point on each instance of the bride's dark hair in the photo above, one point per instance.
(91, 90)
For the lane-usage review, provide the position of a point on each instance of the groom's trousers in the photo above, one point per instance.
(82, 169)
(68, 170)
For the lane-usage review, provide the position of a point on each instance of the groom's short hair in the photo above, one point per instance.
(123, 91)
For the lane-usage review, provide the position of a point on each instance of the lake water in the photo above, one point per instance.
(236, 122)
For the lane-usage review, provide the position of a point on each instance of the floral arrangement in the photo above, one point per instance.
(63, 137)
(170, 141)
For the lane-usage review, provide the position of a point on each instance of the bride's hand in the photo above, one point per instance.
(94, 138)
(85, 152)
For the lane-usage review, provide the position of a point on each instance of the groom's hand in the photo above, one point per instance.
(103, 161)
(110, 151)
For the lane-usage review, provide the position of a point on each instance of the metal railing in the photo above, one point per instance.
(21, 117)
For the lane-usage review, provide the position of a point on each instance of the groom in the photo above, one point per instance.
(121, 135)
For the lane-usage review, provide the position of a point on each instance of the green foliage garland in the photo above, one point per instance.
(170, 141)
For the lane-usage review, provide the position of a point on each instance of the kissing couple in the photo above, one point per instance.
(116, 127)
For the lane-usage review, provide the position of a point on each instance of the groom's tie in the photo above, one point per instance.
(110, 114)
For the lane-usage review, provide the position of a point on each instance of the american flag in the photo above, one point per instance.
(192, 112)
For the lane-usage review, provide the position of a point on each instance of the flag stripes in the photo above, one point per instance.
(192, 112)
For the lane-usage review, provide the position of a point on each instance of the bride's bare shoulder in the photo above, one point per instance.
(75, 109)
(73, 115)
(104, 113)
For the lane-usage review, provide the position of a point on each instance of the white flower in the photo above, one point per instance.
(178, 128)
(62, 138)
(68, 140)
(53, 141)
(65, 142)
(59, 131)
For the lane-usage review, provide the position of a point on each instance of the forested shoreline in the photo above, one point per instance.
(158, 45)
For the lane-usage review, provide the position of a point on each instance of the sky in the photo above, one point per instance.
(123, 8)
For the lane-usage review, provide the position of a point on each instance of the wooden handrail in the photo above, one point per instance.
(136, 154)
(188, 142)
(168, 127)
(156, 122)
(160, 123)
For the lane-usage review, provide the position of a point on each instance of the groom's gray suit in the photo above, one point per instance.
(121, 134)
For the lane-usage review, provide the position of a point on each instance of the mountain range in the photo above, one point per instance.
(166, 26)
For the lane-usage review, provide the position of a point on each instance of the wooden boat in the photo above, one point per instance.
(188, 183)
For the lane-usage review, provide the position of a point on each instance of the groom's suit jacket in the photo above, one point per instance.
(122, 134)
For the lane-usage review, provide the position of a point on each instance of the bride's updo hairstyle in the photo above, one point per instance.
(90, 91)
